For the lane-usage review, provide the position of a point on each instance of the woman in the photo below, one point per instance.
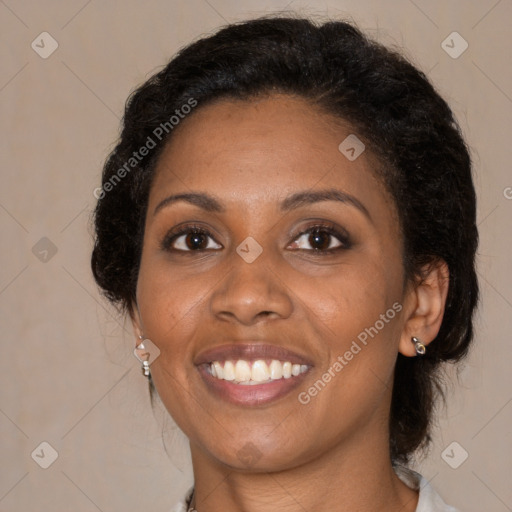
(289, 220)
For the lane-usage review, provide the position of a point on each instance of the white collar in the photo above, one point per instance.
(429, 500)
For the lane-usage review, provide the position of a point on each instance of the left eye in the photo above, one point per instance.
(320, 239)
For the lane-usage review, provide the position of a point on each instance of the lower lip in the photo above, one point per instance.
(250, 395)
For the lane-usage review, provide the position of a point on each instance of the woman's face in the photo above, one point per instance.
(256, 280)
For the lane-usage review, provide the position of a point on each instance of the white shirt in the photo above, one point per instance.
(429, 500)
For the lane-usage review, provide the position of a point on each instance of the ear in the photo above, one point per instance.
(424, 308)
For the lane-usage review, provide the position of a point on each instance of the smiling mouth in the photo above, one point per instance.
(251, 373)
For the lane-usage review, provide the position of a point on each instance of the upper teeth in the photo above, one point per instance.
(254, 372)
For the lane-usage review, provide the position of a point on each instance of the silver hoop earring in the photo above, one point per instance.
(420, 348)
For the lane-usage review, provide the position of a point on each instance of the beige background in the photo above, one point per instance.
(68, 374)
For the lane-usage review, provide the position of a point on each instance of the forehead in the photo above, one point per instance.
(260, 150)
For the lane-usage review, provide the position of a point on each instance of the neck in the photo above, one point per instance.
(354, 475)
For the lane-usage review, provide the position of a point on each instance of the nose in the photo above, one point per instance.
(251, 292)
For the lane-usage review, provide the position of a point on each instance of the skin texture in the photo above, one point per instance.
(251, 155)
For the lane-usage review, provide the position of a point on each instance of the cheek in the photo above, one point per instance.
(348, 301)
(358, 320)
(168, 306)
(358, 323)
(169, 309)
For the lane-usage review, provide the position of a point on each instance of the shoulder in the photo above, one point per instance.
(429, 499)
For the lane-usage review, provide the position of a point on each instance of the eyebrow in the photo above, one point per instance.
(308, 197)
(204, 201)
(297, 200)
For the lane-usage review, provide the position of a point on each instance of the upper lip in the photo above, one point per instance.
(250, 352)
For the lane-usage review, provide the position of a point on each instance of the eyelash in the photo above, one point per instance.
(342, 237)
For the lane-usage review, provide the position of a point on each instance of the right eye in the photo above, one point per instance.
(189, 239)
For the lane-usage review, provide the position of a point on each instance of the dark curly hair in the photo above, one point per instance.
(390, 104)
